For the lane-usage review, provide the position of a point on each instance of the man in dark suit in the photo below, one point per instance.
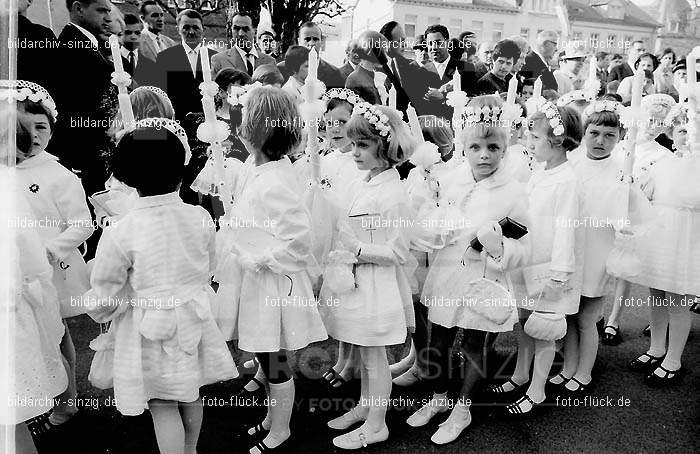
(180, 68)
(537, 60)
(351, 59)
(141, 68)
(619, 72)
(310, 36)
(84, 96)
(437, 39)
(244, 55)
(413, 80)
(36, 44)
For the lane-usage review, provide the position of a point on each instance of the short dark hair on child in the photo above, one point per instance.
(37, 108)
(337, 102)
(271, 122)
(268, 75)
(295, 57)
(604, 118)
(131, 19)
(611, 97)
(506, 48)
(529, 81)
(150, 159)
(573, 133)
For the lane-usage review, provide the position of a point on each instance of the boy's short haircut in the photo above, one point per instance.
(295, 57)
(268, 75)
(506, 48)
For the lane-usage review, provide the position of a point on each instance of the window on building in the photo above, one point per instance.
(478, 29)
(497, 34)
(433, 20)
(455, 27)
(612, 39)
(578, 36)
(525, 33)
(410, 25)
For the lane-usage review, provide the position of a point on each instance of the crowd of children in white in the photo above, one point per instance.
(531, 224)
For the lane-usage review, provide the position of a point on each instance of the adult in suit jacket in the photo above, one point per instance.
(175, 64)
(346, 69)
(85, 98)
(141, 68)
(536, 61)
(310, 36)
(243, 50)
(413, 79)
(623, 70)
(154, 41)
(40, 44)
(352, 59)
(437, 37)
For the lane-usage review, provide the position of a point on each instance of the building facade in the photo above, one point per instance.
(610, 26)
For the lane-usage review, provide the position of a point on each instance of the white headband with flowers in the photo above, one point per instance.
(503, 116)
(22, 90)
(576, 95)
(238, 95)
(375, 117)
(152, 89)
(550, 111)
(604, 105)
(343, 94)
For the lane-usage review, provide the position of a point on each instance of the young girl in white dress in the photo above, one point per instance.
(377, 311)
(167, 344)
(670, 258)
(33, 373)
(424, 191)
(648, 152)
(339, 171)
(484, 193)
(557, 251)
(267, 254)
(57, 197)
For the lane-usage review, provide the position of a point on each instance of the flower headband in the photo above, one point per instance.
(576, 95)
(153, 89)
(550, 111)
(502, 116)
(343, 94)
(604, 105)
(172, 126)
(657, 102)
(22, 90)
(238, 96)
(375, 117)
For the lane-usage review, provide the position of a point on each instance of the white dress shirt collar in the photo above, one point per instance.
(253, 52)
(192, 55)
(87, 34)
(441, 67)
(125, 54)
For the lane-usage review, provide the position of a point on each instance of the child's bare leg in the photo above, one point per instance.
(167, 422)
(191, 414)
(66, 406)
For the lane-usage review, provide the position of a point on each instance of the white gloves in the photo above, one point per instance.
(490, 236)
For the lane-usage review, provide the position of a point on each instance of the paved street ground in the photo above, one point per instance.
(623, 414)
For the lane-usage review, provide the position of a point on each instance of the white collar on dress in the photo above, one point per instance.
(38, 159)
(387, 175)
(157, 200)
(271, 165)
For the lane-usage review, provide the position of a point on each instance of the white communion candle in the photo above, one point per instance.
(512, 90)
(537, 88)
(116, 54)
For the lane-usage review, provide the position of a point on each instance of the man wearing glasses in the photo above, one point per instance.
(538, 61)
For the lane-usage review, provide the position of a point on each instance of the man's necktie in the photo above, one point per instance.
(159, 44)
(248, 64)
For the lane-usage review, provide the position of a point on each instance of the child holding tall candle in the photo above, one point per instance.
(557, 252)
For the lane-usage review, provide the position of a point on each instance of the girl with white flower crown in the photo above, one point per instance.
(338, 171)
(655, 109)
(466, 288)
(375, 309)
(670, 257)
(423, 186)
(556, 259)
(265, 251)
(166, 342)
(55, 195)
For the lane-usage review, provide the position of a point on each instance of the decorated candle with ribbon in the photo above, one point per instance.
(537, 88)
(207, 98)
(635, 107)
(121, 79)
(312, 111)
